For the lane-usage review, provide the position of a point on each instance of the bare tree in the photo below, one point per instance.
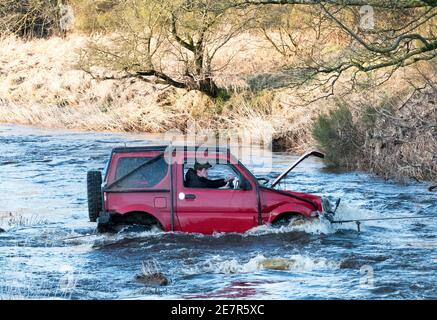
(170, 41)
(176, 41)
(411, 41)
(400, 33)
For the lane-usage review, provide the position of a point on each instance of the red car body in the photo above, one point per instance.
(176, 207)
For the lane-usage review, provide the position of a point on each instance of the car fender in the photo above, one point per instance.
(288, 208)
(146, 209)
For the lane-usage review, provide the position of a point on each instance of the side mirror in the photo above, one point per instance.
(245, 185)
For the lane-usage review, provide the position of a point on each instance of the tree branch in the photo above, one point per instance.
(186, 45)
(140, 75)
(392, 4)
(384, 50)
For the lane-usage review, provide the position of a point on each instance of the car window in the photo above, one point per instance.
(218, 171)
(147, 176)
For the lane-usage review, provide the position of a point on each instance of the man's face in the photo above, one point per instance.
(203, 173)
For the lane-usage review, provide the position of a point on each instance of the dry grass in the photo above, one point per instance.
(403, 144)
(41, 85)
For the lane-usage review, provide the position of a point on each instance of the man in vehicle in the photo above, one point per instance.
(197, 177)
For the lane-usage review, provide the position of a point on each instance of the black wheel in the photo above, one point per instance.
(286, 220)
(94, 188)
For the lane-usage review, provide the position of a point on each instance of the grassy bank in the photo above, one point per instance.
(40, 84)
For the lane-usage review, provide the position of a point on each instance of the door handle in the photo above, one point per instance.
(190, 196)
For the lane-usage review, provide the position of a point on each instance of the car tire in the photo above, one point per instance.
(288, 220)
(94, 188)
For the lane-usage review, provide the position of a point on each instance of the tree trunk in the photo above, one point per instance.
(208, 86)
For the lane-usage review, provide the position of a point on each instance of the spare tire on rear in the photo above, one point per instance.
(94, 188)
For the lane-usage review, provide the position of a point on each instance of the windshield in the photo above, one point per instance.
(243, 167)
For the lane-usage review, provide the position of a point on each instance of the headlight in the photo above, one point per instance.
(330, 206)
(326, 205)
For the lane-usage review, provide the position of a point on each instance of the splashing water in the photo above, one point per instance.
(216, 264)
(57, 254)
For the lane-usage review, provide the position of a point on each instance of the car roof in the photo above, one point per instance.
(164, 147)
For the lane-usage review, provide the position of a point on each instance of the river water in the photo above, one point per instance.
(50, 250)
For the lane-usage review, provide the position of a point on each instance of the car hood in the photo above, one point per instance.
(317, 200)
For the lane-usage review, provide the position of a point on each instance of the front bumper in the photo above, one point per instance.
(329, 207)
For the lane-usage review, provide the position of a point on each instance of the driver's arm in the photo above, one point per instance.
(214, 184)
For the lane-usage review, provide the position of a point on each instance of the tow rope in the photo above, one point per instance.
(358, 221)
(77, 237)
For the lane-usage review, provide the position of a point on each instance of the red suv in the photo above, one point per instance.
(147, 186)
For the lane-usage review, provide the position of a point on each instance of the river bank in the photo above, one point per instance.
(41, 85)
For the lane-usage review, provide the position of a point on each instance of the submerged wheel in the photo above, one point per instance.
(94, 188)
(285, 220)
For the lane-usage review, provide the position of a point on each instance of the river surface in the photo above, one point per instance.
(50, 250)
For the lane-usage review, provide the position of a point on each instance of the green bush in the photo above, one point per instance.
(371, 114)
(338, 136)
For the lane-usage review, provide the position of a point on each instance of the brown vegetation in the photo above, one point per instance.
(151, 66)
(396, 138)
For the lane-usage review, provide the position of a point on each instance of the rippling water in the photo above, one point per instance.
(50, 250)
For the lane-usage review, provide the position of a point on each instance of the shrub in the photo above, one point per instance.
(30, 18)
(338, 136)
(371, 113)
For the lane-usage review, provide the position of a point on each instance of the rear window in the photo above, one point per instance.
(145, 175)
